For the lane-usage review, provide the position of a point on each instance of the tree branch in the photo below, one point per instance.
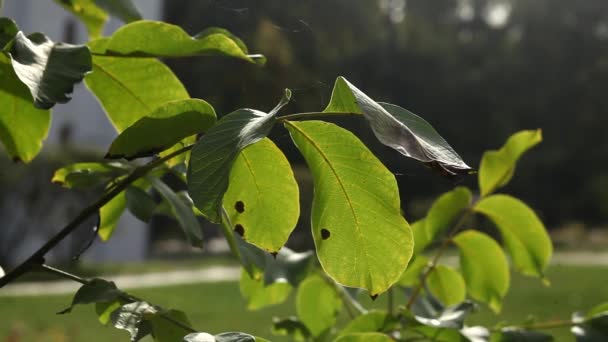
(38, 257)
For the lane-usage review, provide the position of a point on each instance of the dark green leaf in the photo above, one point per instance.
(484, 267)
(93, 17)
(182, 212)
(109, 215)
(140, 203)
(361, 238)
(364, 337)
(258, 295)
(213, 155)
(147, 38)
(163, 128)
(291, 327)
(497, 167)
(441, 216)
(96, 290)
(49, 69)
(447, 285)
(165, 330)
(122, 9)
(317, 304)
(261, 182)
(452, 317)
(519, 335)
(84, 175)
(132, 318)
(398, 128)
(23, 127)
(411, 276)
(131, 88)
(8, 31)
(523, 234)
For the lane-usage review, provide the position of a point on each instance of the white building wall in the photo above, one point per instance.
(89, 127)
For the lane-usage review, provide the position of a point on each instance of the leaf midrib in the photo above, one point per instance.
(122, 85)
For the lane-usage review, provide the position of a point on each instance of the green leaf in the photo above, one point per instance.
(452, 317)
(361, 238)
(214, 154)
(132, 318)
(140, 203)
(109, 215)
(291, 327)
(147, 38)
(223, 337)
(442, 214)
(8, 31)
(258, 295)
(398, 128)
(183, 213)
(85, 175)
(23, 127)
(523, 234)
(93, 17)
(484, 267)
(122, 9)
(497, 167)
(262, 182)
(317, 304)
(601, 309)
(167, 331)
(49, 69)
(364, 337)
(520, 335)
(95, 291)
(447, 285)
(104, 309)
(131, 88)
(411, 276)
(371, 321)
(163, 128)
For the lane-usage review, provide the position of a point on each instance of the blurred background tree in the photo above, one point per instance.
(476, 69)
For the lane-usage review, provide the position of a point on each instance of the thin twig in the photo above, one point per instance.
(38, 257)
(311, 115)
(349, 302)
(435, 260)
(390, 301)
(122, 294)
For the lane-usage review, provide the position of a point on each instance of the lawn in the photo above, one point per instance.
(218, 307)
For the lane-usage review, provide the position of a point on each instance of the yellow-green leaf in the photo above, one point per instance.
(447, 285)
(497, 167)
(361, 238)
(317, 304)
(258, 295)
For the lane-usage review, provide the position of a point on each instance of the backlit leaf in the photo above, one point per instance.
(146, 38)
(109, 214)
(497, 167)
(364, 337)
(84, 175)
(317, 304)
(398, 128)
(360, 236)
(93, 17)
(122, 9)
(447, 285)
(163, 128)
(23, 127)
(49, 69)
(411, 276)
(523, 234)
(263, 199)
(443, 213)
(372, 321)
(259, 295)
(484, 267)
(214, 154)
(131, 88)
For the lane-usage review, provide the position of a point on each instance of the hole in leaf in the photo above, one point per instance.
(274, 254)
(239, 206)
(373, 297)
(325, 234)
(239, 229)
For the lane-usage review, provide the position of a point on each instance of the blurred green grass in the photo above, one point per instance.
(218, 307)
